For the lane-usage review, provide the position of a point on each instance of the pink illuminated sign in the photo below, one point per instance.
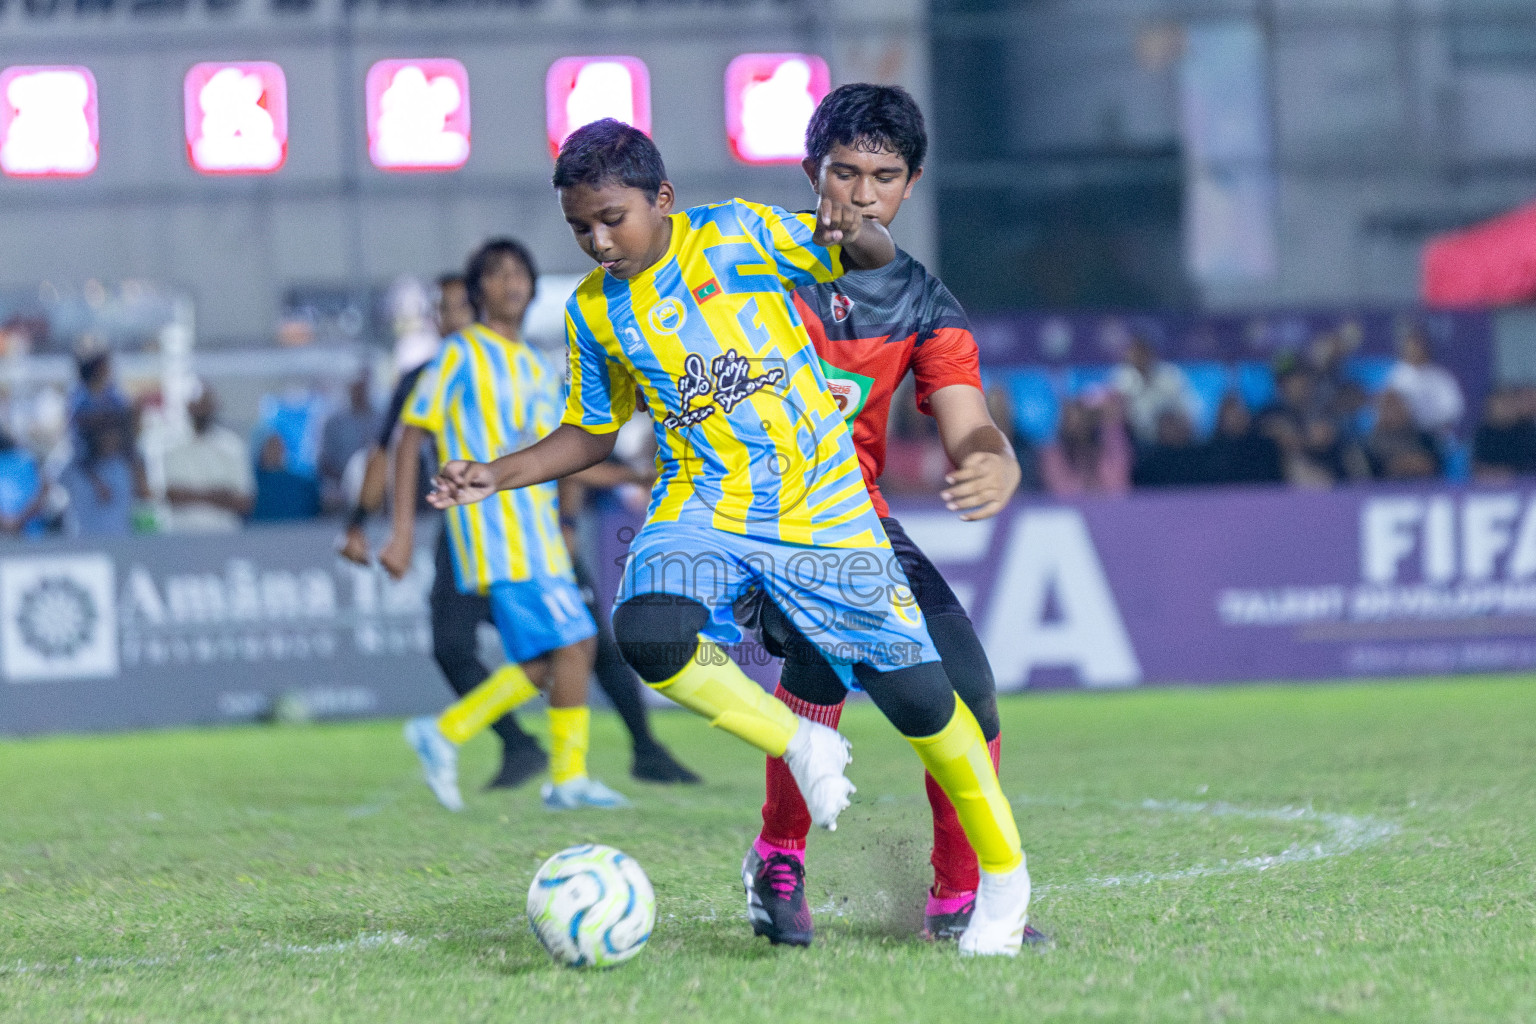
(580, 90)
(769, 99)
(418, 115)
(237, 117)
(48, 125)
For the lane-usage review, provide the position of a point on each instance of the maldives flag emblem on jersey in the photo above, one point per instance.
(842, 305)
(706, 291)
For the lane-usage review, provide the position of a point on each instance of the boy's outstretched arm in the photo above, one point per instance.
(397, 553)
(568, 450)
(866, 244)
(986, 472)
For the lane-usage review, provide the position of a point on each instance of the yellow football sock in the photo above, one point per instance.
(713, 686)
(956, 756)
(502, 691)
(570, 730)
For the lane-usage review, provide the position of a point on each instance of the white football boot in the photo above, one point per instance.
(1001, 914)
(816, 758)
(581, 792)
(439, 760)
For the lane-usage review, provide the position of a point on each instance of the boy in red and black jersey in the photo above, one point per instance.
(870, 327)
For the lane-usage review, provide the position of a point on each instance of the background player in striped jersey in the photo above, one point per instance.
(456, 616)
(484, 394)
(759, 484)
(871, 327)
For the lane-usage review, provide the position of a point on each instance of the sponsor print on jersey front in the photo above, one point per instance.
(850, 390)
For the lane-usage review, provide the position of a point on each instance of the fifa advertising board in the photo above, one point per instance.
(1234, 585)
(1218, 586)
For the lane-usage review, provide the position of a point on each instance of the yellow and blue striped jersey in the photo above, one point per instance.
(750, 439)
(483, 397)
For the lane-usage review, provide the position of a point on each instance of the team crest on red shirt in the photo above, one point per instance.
(842, 305)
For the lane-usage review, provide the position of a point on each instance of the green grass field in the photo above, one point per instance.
(1266, 854)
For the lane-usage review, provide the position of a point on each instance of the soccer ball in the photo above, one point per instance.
(591, 906)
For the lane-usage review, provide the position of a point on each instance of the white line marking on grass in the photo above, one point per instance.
(1347, 834)
(365, 942)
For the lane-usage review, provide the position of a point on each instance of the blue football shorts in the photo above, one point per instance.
(853, 604)
(535, 617)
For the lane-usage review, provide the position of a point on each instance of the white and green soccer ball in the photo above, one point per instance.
(591, 906)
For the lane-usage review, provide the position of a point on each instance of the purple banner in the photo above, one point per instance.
(1237, 585)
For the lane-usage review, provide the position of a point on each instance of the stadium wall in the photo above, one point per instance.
(1221, 153)
(330, 219)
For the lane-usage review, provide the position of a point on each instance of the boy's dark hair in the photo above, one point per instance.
(482, 258)
(451, 278)
(610, 150)
(868, 117)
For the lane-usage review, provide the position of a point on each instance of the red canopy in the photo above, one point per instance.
(1490, 264)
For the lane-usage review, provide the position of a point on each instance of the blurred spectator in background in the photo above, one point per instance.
(1091, 454)
(454, 312)
(1325, 361)
(1149, 387)
(22, 492)
(208, 480)
(1433, 394)
(1238, 453)
(1333, 393)
(1505, 444)
(347, 432)
(282, 493)
(1314, 449)
(96, 397)
(296, 413)
(1328, 454)
(1296, 400)
(1000, 408)
(1397, 448)
(104, 477)
(39, 420)
(1351, 408)
(1174, 459)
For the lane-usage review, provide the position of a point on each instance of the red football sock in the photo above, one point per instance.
(786, 820)
(954, 862)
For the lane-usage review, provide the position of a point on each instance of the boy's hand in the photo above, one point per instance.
(396, 556)
(837, 223)
(462, 483)
(982, 485)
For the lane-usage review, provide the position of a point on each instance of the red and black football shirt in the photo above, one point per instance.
(869, 328)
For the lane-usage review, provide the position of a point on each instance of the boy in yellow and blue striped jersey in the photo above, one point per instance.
(758, 484)
(485, 395)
